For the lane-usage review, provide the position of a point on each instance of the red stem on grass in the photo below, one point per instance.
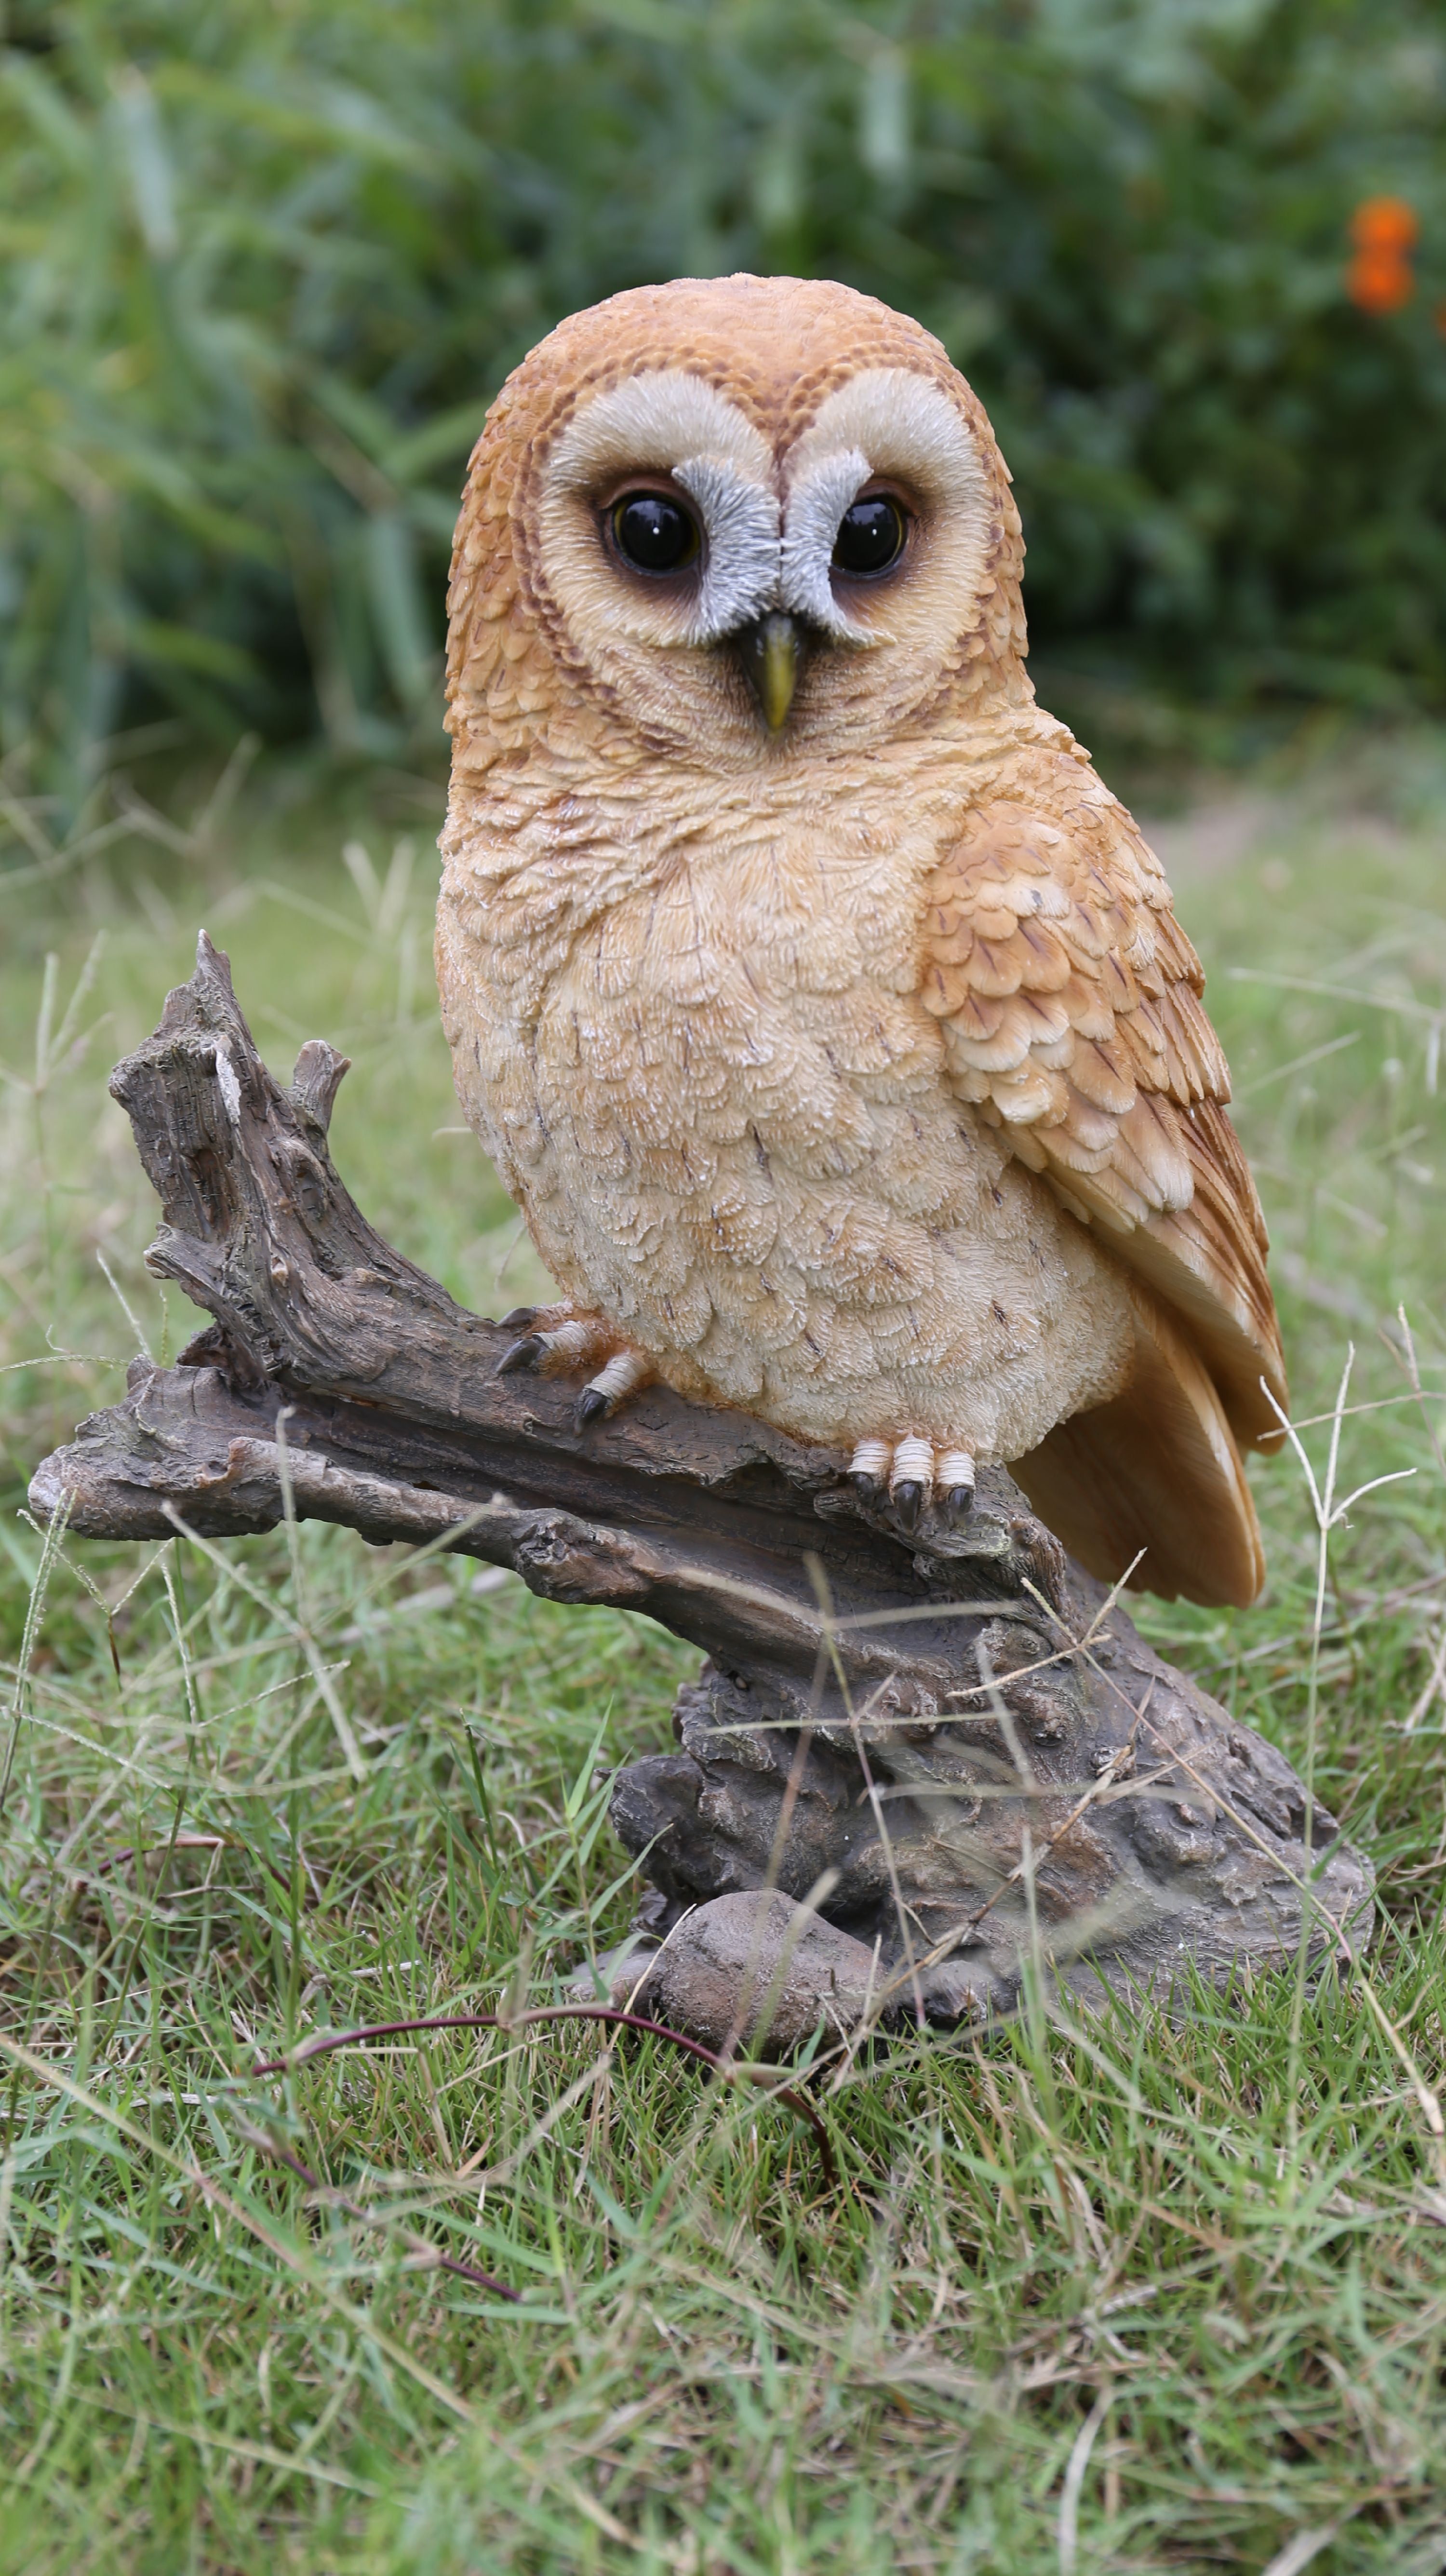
(785, 2093)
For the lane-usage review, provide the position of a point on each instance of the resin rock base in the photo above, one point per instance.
(1081, 1804)
(950, 1743)
(753, 1976)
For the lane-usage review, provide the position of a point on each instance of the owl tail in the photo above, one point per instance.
(1154, 1474)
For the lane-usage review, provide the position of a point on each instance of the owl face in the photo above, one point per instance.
(756, 518)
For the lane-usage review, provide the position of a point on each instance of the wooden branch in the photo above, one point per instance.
(953, 1727)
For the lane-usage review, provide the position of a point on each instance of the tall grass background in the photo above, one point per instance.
(264, 266)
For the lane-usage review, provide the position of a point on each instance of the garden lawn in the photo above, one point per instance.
(1091, 2294)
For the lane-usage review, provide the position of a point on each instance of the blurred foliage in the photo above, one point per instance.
(266, 261)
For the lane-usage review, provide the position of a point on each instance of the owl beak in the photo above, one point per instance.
(769, 653)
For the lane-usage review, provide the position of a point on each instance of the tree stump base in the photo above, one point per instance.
(950, 1750)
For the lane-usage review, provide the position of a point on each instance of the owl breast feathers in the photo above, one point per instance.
(826, 1015)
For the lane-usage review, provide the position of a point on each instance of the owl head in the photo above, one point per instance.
(743, 520)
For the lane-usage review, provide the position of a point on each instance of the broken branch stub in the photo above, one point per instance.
(952, 1736)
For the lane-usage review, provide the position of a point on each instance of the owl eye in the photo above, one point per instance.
(654, 534)
(870, 536)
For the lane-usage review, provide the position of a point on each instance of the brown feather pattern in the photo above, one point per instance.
(1070, 1003)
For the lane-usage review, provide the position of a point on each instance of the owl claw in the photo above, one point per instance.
(911, 1479)
(625, 1373)
(913, 1471)
(518, 1320)
(869, 1469)
(565, 1342)
(525, 1354)
(954, 1476)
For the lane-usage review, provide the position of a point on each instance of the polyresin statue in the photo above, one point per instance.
(826, 1014)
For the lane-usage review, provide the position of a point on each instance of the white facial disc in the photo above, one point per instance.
(670, 423)
(886, 421)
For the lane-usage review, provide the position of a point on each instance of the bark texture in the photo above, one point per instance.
(949, 1743)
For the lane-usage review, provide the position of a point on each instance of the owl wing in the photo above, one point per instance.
(1069, 1003)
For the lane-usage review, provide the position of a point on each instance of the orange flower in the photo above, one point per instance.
(1385, 230)
(1379, 282)
(1385, 224)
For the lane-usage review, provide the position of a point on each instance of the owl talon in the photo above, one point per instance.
(519, 1320)
(868, 1468)
(911, 1479)
(567, 1342)
(625, 1373)
(526, 1354)
(913, 1470)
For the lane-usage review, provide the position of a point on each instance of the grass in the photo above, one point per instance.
(264, 268)
(1093, 2295)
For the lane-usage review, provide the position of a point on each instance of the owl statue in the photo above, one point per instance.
(824, 1012)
